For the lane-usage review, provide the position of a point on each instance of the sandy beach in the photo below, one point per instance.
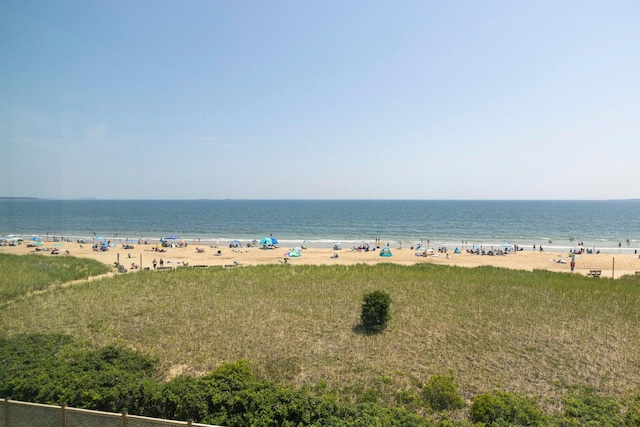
(611, 264)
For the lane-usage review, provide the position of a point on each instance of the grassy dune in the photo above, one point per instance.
(21, 275)
(529, 332)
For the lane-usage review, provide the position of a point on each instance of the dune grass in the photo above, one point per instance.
(529, 332)
(21, 275)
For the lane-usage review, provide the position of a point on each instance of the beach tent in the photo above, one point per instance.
(235, 244)
(14, 241)
(385, 251)
(274, 241)
(294, 253)
(456, 251)
(266, 243)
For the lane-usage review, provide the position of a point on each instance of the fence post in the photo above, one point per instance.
(6, 411)
(190, 422)
(124, 419)
(63, 415)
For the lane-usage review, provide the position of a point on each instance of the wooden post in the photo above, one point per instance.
(124, 419)
(63, 415)
(190, 422)
(613, 268)
(6, 411)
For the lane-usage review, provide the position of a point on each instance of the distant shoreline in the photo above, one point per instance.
(318, 200)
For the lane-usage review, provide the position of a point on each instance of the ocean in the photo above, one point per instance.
(606, 225)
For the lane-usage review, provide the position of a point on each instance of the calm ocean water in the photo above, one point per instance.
(601, 224)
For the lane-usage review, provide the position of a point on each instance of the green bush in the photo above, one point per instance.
(55, 369)
(441, 393)
(632, 416)
(584, 407)
(500, 409)
(375, 311)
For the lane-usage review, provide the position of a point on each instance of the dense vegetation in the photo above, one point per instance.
(278, 345)
(56, 369)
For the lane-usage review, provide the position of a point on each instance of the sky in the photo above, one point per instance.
(121, 99)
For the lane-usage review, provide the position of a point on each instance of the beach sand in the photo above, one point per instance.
(611, 264)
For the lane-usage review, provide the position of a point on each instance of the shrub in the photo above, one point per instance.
(506, 409)
(584, 406)
(375, 311)
(442, 393)
(632, 417)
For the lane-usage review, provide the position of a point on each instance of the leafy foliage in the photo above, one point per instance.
(375, 311)
(441, 392)
(53, 369)
(585, 407)
(499, 409)
(57, 369)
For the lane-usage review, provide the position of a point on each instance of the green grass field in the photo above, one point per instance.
(530, 332)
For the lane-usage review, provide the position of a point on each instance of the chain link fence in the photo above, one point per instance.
(14, 413)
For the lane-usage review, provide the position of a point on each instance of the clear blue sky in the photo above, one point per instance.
(320, 99)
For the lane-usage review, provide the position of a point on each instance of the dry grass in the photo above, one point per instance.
(531, 332)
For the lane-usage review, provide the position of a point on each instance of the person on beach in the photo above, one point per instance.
(154, 262)
(161, 263)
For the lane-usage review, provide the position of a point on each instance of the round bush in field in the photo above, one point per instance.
(375, 311)
(442, 393)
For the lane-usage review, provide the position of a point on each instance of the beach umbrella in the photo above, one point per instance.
(100, 238)
(274, 241)
(35, 238)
